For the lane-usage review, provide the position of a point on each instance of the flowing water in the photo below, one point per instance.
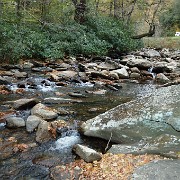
(36, 162)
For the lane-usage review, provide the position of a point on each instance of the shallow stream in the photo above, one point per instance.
(36, 163)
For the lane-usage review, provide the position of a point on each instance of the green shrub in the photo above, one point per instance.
(96, 37)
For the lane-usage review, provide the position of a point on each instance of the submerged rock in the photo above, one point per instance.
(145, 118)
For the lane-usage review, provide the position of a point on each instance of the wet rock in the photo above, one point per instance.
(60, 172)
(161, 67)
(159, 169)
(55, 100)
(32, 172)
(43, 134)
(111, 87)
(37, 63)
(146, 73)
(61, 130)
(19, 74)
(24, 103)
(44, 112)
(106, 66)
(97, 92)
(7, 73)
(146, 117)
(82, 67)
(62, 112)
(13, 122)
(97, 74)
(135, 75)
(162, 78)
(77, 95)
(32, 123)
(4, 81)
(47, 161)
(6, 148)
(63, 75)
(122, 73)
(135, 70)
(87, 154)
(11, 66)
(42, 69)
(114, 75)
(61, 84)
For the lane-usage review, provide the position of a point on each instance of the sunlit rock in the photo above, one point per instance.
(13, 122)
(148, 117)
(88, 154)
(139, 63)
(32, 123)
(44, 112)
(152, 53)
(122, 73)
(43, 134)
(162, 78)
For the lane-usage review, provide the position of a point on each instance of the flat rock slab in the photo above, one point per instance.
(158, 170)
(55, 100)
(21, 104)
(44, 112)
(145, 118)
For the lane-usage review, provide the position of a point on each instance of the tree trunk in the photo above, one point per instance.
(116, 9)
(80, 11)
(148, 34)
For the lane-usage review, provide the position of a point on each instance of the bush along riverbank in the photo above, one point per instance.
(32, 109)
(98, 36)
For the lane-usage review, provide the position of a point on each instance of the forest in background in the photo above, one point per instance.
(57, 28)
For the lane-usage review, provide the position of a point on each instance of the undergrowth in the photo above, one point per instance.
(96, 37)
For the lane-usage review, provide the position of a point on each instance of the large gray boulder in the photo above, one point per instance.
(44, 112)
(158, 170)
(145, 118)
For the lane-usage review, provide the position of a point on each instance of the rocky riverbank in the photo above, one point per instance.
(41, 117)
